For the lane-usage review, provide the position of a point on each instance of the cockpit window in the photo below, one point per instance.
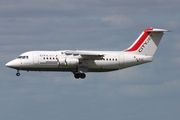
(19, 57)
(23, 57)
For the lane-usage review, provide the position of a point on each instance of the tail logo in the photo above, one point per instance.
(144, 44)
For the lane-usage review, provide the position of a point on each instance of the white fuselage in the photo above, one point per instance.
(47, 61)
(80, 62)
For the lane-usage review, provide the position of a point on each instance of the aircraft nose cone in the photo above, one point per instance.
(9, 64)
(12, 64)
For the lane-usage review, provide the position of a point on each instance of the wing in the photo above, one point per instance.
(85, 54)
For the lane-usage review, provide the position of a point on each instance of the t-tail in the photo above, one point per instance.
(147, 43)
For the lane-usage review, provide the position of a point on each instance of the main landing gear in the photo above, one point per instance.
(80, 72)
(18, 73)
(79, 75)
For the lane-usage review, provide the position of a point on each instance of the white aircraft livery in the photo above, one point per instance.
(80, 62)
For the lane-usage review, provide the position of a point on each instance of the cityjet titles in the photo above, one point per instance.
(144, 44)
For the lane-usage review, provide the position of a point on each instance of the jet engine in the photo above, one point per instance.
(68, 61)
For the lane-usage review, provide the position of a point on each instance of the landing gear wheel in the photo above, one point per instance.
(76, 76)
(79, 75)
(82, 75)
(17, 74)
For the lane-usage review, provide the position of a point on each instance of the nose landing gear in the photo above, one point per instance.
(18, 73)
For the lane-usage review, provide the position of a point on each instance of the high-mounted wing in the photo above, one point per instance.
(85, 54)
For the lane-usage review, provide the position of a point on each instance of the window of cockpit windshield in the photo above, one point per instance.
(19, 57)
(23, 57)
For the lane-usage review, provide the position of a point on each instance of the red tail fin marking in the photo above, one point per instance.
(140, 41)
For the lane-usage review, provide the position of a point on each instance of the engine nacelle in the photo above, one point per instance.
(68, 61)
(72, 61)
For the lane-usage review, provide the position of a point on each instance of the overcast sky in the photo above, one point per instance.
(146, 92)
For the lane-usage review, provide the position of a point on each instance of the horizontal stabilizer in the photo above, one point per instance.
(156, 30)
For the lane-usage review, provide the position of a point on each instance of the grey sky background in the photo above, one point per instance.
(146, 92)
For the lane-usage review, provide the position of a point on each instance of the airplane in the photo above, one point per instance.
(79, 62)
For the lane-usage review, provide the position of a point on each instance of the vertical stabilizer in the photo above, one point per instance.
(147, 42)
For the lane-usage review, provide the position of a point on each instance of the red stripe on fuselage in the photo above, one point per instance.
(140, 41)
